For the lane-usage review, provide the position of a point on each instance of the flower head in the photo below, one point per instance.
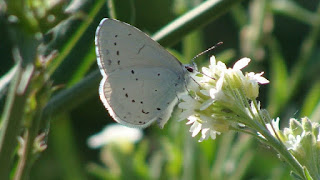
(302, 140)
(115, 133)
(221, 99)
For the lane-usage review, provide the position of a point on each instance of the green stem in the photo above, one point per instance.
(259, 112)
(6, 79)
(27, 157)
(74, 96)
(249, 132)
(112, 9)
(282, 150)
(192, 20)
(277, 144)
(11, 123)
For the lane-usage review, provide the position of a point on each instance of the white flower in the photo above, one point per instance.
(207, 132)
(257, 78)
(274, 126)
(206, 104)
(195, 127)
(115, 133)
(214, 70)
(294, 141)
(208, 129)
(205, 127)
(188, 105)
(217, 93)
(250, 83)
(255, 110)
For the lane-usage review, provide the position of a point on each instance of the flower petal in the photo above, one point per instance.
(205, 92)
(195, 128)
(191, 119)
(206, 104)
(241, 63)
(204, 134)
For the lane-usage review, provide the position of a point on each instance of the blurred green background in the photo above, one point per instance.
(280, 36)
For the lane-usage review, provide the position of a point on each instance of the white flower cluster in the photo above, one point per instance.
(302, 140)
(293, 136)
(221, 98)
(115, 133)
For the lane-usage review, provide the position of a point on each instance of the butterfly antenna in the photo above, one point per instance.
(203, 52)
(194, 68)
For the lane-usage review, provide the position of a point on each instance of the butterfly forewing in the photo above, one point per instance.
(141, 80)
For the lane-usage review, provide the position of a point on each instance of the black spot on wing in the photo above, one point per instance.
(141, 122)
(144, 112)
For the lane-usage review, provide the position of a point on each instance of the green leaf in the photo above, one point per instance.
(312, 99)
(65, 149)
(71, 42)
(6, 79)
(83, 67)
(278, 91)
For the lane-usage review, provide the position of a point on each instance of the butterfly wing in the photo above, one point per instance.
(120, 45)
(141, 80)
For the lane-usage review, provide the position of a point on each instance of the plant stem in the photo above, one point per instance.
(74, 96)
(277, 144)
(282, 150)
(11, 123)
(192, 20)
(27, 156)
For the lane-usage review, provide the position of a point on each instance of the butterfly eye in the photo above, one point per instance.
(189, 68)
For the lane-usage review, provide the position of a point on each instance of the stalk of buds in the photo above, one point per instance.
(225, 99)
